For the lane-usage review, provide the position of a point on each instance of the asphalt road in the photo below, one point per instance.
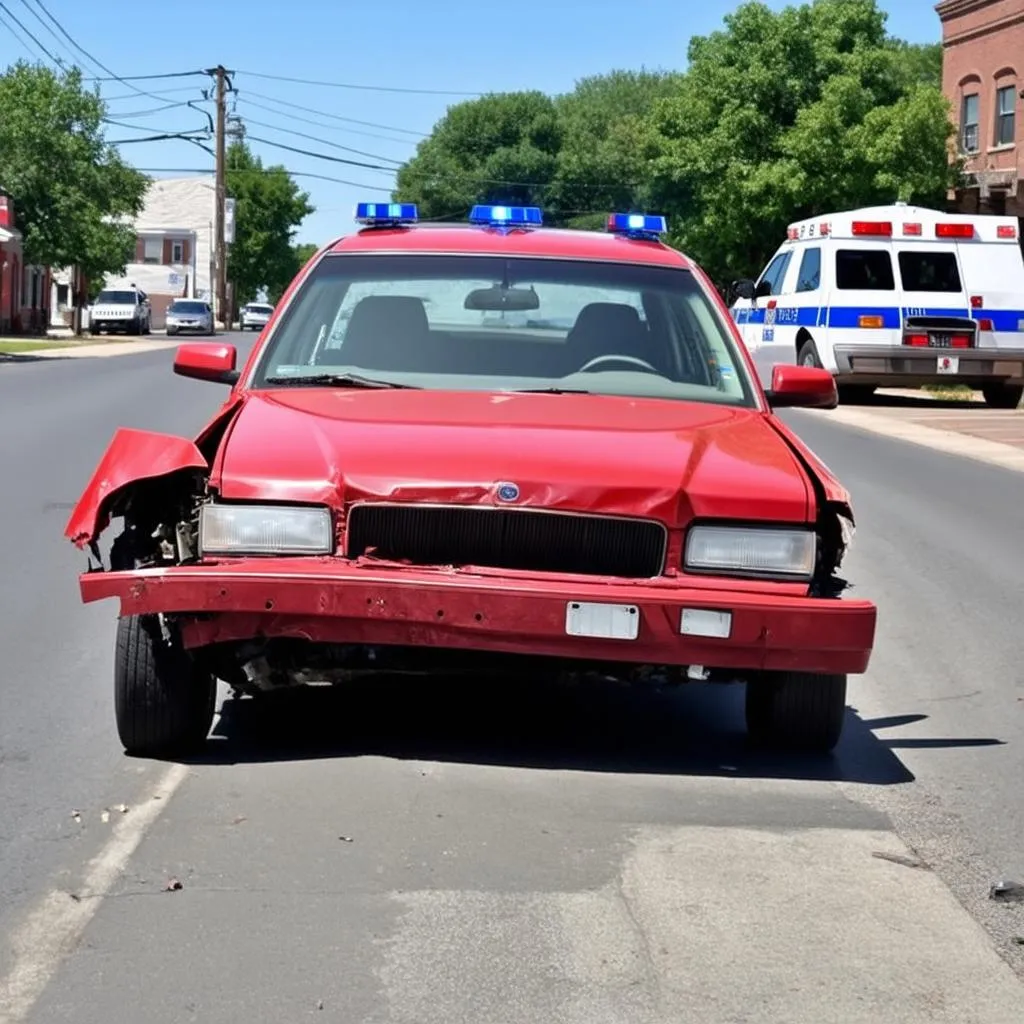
(418, 854)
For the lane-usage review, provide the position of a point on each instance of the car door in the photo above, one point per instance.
(759, 331)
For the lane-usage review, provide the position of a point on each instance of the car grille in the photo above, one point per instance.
(508, 539)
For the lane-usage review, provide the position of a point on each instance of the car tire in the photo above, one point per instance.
(163, 701)
(796, 710)
(808, 354)
(1002, 396)
(135, 327)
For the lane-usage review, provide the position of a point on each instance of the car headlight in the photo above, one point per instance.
(264, 530)
(751, 551)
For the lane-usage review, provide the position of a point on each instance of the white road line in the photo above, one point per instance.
(949, 441)
(57, 923)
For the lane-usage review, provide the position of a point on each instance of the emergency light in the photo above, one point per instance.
(375, 214)
(637, 225)
(507, 216)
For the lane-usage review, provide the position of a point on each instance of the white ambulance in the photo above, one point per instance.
(893, 296)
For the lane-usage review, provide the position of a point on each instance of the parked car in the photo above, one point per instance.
(121, 309)
(184, 315)
(601, 487)
(255, 316)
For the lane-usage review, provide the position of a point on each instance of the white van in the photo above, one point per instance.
(893, 296)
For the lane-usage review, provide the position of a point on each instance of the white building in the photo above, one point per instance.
(173, 249)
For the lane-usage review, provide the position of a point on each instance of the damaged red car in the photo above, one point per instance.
(476, 446)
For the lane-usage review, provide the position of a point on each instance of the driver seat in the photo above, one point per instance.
(606, 329)
(386, 332)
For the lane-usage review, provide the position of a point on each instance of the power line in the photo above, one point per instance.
(335, 117)
(88, 56)
(53, 35)
(325, 156)
(323, 124)
(145, 113)
(160, 95)
(209, 171)
(150, 138)
(10, 14)
(14, 32)
(349, 85)
(141, 78)
(324, 142)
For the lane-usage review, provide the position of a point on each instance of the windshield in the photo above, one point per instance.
(259, 309)
(116, 298)
(187, 307)
(492, 323)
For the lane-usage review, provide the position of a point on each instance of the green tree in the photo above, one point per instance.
(301, 254)
(786, 114)
(605, 157)
(269, 207)
(75, 199)
(499, 148)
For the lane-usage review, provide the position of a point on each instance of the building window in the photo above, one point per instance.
(1006, 104)
(153, 250)
(177, 252)
(969, 124)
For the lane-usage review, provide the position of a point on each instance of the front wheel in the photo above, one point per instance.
(808, 355)
(163, 701)
(796, 710)
(1002, 396)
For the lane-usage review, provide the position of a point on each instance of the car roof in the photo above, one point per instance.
(473, 240)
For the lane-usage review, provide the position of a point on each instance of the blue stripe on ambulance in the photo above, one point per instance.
(848, 317)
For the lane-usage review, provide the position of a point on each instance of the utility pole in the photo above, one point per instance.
(221, 287)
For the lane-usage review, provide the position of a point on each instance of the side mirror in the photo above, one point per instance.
(763, 289)
(210, 362)
(743, 289)
(808, 387)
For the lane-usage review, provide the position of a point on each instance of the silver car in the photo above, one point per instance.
(189, 315)
(255, 316)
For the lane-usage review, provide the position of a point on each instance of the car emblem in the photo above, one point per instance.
(507, 492)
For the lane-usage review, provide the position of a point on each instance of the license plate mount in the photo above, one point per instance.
(602, 621)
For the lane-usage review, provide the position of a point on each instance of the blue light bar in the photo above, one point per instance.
(386, 213)
(637, 225)
(507, 216)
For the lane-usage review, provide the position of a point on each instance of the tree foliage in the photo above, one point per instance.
(780, 115)
(269, 207)
(74, 197)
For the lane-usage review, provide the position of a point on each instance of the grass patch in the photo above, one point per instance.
(952, 392)
(13, 347)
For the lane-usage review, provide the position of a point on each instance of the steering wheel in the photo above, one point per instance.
(631, 361)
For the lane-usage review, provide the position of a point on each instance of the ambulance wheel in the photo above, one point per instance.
(796, 711)
(1002, 396)
(808, 354)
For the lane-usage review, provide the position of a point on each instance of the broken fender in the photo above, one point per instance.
(131, 457)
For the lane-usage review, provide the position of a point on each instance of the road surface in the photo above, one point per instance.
(441, 854)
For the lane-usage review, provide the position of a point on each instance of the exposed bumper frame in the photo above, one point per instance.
(325, 600)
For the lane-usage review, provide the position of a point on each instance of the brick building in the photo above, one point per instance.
(24, 290)
(983, 76)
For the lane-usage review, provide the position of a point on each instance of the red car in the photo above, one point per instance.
(487, 440)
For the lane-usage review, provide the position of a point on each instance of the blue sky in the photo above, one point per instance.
(453, 46)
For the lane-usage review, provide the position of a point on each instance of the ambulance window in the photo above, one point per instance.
(773, 277)
(809, 278)
(929, 272)
(864, 270)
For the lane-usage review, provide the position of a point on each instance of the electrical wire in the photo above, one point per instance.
(244, 98)
(53, 35)
(150, 138)
(142, 78)
(349, 85)
(324, 156)
(324, 142)
(10, 14)
(335, 117)
(14, 32)
(85, 53)
(264, 170)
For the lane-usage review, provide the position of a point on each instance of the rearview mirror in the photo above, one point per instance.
(502, 300)
(743, 289)
(808, 387)
(207, 361)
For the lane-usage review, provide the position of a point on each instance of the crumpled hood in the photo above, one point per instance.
(668, 460)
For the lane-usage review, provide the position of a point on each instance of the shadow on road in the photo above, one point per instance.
(28, 357)
(693, 730)
(885, 400)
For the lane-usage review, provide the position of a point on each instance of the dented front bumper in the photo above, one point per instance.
(325, 600)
